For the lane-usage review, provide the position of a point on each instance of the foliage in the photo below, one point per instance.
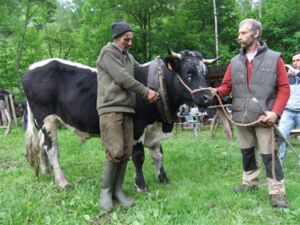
(280, 25)
(32, 30)
(202, 173)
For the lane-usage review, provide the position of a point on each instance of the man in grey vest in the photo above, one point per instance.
(258, 72)
(291, 115)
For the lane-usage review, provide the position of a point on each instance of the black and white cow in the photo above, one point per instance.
(60, 91)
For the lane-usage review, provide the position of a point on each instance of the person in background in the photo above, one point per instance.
(259, 72)
(291, 115)
(115, 105)
(184, 110)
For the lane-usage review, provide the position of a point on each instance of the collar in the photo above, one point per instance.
(262, 48)
(118, 48)
(123, 54)
(162, 105)
(250, 56)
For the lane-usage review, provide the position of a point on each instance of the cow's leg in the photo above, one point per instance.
(45, 164)
(51, 146)
(157, 156)
(138, 158)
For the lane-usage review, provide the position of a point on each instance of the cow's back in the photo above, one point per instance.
(67, 91)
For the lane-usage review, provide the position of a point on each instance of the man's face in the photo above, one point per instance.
(125, 40)
(296, 61)
(246, 37)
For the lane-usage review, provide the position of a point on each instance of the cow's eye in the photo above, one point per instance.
(189, 79)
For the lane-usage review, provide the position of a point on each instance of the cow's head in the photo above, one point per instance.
(192, 70)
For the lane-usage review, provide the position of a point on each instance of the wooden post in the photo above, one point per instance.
(216, 29)
(221, 117)
(5, 118)
(6, 103)
(13, 109)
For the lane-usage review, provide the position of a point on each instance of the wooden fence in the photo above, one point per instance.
(7, 110)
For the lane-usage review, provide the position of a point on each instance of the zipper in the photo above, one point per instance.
(247, 90)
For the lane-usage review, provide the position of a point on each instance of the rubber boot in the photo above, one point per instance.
(109, 174)
(118, 189)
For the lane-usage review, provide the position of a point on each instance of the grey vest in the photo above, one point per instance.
(263, 82)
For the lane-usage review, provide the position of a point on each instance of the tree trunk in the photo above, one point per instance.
(28, 17)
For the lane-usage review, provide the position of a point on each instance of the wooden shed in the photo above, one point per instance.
(216, 74)
(7, 110)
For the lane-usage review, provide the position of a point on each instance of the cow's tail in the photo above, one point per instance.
(32, 142)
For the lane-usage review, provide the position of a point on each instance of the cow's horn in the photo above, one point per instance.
(175, 55)
(209, 61)
(171, 53)
(168, 48)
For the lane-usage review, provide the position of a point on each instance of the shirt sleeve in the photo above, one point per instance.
(114, 67)
(283, 88)
(225, 88)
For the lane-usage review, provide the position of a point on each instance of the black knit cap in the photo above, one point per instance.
(119, 27)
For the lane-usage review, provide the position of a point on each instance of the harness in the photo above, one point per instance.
(157, 81)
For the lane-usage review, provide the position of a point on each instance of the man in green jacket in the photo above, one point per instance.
(115, 104)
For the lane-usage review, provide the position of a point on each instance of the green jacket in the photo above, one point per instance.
(116, 83)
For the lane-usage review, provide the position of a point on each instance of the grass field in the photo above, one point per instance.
(202, 172)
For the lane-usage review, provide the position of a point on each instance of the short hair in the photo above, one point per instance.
(255, 26)
(296, 53)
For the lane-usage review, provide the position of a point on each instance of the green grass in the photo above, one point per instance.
(202, 172)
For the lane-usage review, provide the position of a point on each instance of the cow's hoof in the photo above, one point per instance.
(46, 172)
(66, 186)
(141, 189)
(163, 179)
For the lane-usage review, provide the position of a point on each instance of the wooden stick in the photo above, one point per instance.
(13, 109)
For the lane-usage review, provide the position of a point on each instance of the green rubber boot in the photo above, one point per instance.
(118, 189)
(109, 174)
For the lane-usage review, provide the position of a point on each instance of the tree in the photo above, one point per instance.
(143, 14)
(30, 8)
(280, 19)
(32, 30)
(94, 31)
(280, 23)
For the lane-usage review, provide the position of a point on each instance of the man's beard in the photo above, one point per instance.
(247, 44)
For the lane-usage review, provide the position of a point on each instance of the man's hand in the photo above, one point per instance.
(270, 118)
(152, 96)
(293, 71)
(213, 91)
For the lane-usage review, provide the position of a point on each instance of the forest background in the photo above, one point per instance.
(32, 30)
